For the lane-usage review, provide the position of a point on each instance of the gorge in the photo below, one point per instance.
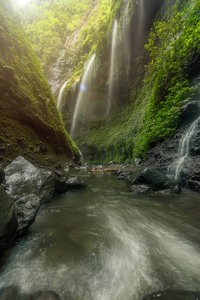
(121, 90)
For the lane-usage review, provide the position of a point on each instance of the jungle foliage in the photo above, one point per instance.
(29, 121)
(149, 110)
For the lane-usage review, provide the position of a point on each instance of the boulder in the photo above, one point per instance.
(27, 207)
(75, 183)
(173, 295)
(24, 178)
(8, 220)
(29, 187)
(148, 179)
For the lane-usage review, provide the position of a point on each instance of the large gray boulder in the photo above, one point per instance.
(8, 220)
(28, 186)
(145, 179)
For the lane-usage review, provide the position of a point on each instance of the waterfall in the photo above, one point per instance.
(112, 67)
(126, 39)
(82, 89)
(60, 95)
(183, 150)
(140, 34)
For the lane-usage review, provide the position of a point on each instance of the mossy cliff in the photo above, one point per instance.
(151, 82)
(156, 55)
(30, 124)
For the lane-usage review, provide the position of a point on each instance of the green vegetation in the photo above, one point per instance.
(49, 23)
(152, 114)
(149, 101)
(29, 121)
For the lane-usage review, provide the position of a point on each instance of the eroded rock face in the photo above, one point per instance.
(24, 178)
(8, 220)
(163, 156)
(29, 187)
(173, 295)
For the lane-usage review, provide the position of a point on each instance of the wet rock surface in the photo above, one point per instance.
(161, 157)
(173, 295)
(145, 179)
(29, 187)
(8, 220)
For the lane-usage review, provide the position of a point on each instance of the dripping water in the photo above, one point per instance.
(126, 39)
(60, 95)
(112, 67)
(183, 150)
(82, 89)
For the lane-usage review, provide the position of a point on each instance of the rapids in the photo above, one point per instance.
(104, 243)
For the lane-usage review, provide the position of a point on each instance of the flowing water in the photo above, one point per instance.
(60, 95)
(104, 243)
(183, 150)
(112, 67)
(83, 87)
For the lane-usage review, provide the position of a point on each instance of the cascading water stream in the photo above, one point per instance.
(126, 39)
(112, 67)
(183, 150)
(83, 86)
(104, 243)
(140, 33)
(60, 95)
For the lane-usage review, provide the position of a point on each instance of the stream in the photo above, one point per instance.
(103, 243)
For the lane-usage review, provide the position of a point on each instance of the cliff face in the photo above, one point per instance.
(151, 82)
(30, 124)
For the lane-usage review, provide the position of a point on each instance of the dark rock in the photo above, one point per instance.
(2, 174)
(123, 175)
(24, 178)
(29, 187)
(8, 220)
(173, 295)
(27, 207)
(75, 183)
(155, 180)
(46, 295)
(190, 111)
(139, 189)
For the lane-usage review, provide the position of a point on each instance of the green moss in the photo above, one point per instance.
(27, 104)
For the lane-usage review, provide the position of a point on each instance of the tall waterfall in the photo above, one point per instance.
(126, 39)
(112, 67)
(183, 150)
(140, 34)
(60, 95)
(82, 89)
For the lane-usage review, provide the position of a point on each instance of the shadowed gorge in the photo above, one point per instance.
(29, 121)
(99, 149)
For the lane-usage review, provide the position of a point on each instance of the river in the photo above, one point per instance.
(103, 243)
